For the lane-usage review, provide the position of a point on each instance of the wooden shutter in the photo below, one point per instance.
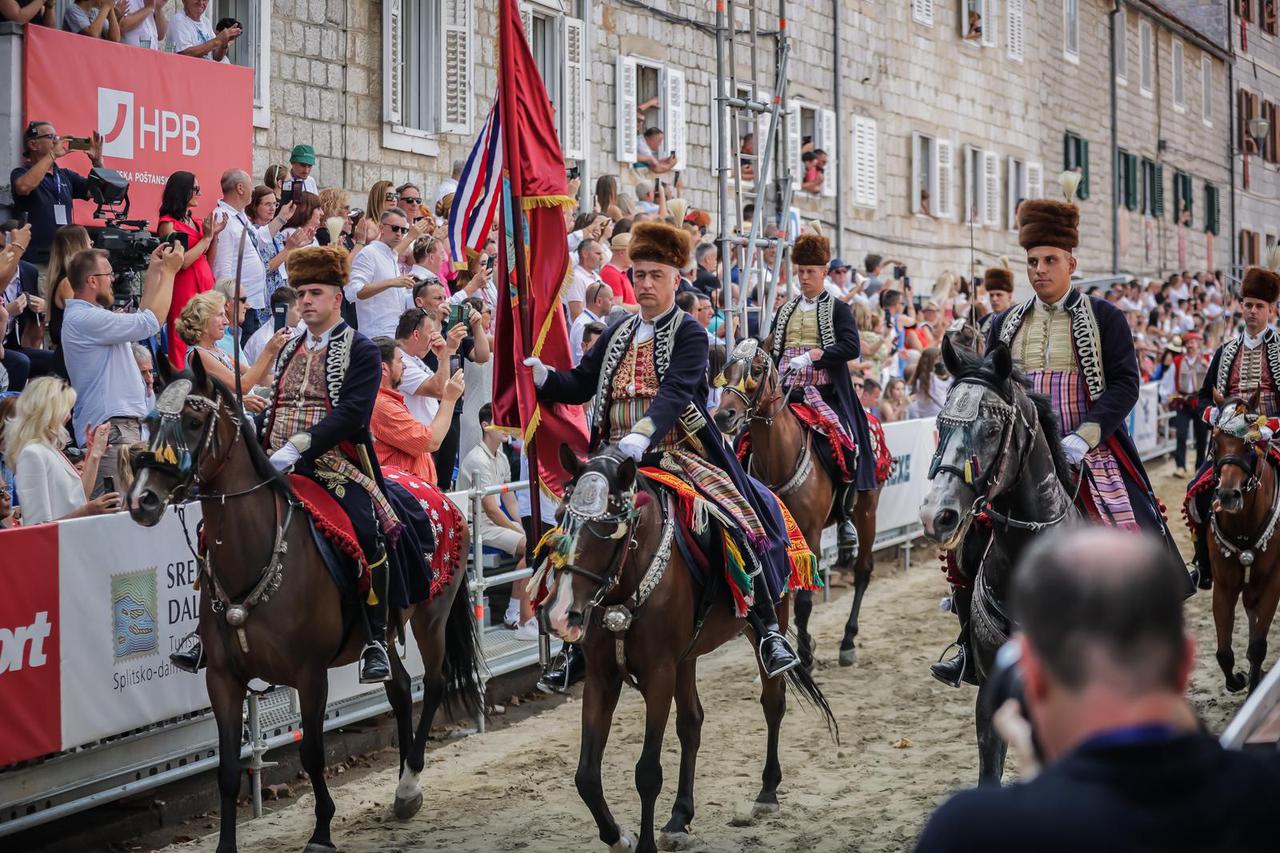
(865, 162)
(793, 145)
(1131, 182)
(675, 113)
(625, 86)
(574, 113)
(1210, 209)
(1013, 190)
(922, 12)
(917, 166)
(829, 142)
(991, 179)
(1158, 197)
(1179, 76)
(1015, 38)
(456, 83)
(1035, 180)
(944, 194)
(392, 61)
(989, 27)
(971, 196)
(1268, 22)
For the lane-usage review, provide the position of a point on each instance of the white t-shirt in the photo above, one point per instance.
(95, 343)
(145, 31)
(422, 408)
(185, 33)
(577, 289)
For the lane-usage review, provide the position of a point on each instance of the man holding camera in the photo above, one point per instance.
(1105, 660)
(43, 191)
(191, 35)
(380, 292)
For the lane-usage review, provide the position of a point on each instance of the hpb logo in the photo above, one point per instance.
(125, 128)
(133, 613)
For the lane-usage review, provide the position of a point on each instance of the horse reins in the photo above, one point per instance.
(804, 460)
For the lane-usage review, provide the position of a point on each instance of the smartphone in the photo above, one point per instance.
(657, 185)
(574, 173)
(295, 192)
(108, 485)
(676, 180)
(180, 239)
(899, 271)
(77, 143)
(280, 316)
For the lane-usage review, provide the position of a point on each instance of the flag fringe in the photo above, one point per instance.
(551, 315)
(531, 201)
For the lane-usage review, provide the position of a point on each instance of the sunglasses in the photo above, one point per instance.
(392, 196)
(399, 229)
(404, 199)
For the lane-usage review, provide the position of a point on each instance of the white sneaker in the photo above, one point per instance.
(528, 631)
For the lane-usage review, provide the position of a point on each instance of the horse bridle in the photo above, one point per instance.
(1247, 463)
(754, 403)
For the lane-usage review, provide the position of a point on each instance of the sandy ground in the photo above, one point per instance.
(513, 790)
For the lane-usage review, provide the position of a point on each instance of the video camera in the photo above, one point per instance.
(127, 241)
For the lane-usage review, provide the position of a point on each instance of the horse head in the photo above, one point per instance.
(597, 531)
(1238, 433)
(193, 426)
(749, 387)
(984, 432)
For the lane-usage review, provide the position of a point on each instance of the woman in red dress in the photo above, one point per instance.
(181, 194)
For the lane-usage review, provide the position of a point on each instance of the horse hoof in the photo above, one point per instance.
(675, 841)
(848, 657)
(625, 844)
(759, 810)
(1236, 683)
(405, 809)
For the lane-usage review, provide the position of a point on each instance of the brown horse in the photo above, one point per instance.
(1243, 552)
(258, 537)
(782, 457)
(624, 591)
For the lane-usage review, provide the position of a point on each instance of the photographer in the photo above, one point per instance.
(95, 342)
(1106, 660)
(377, 288)
(43, 190)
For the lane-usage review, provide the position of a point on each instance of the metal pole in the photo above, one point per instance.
(1112, 17)
(837, 95)
(763, 163)
(478, 587)
(721, 130)
(255, 757)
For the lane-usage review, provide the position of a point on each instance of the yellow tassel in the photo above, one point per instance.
(531, 201)
(373, 598)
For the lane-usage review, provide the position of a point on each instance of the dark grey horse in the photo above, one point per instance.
(998, 479)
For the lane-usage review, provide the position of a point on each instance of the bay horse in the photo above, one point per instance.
(782, 456)
(999, 463)
(628, 597)
(1243, 550)
(257, 537)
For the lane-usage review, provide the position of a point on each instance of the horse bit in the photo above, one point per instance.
(1246, 554)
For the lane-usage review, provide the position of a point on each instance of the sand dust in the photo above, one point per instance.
(906, 742)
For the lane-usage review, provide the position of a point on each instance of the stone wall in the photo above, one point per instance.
(1257, 71)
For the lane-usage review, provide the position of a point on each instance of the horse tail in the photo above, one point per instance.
(462, 654)
(809, 690)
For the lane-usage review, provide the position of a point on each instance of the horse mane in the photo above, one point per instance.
(257, 455)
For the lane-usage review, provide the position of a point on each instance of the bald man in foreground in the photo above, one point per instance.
(1106, 660)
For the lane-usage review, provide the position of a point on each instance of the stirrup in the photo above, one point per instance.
(191, 658)
(373, 670)
(790, 659)
(945, 670)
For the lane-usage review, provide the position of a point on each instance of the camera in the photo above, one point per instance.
(129, 246)
(1005, 682)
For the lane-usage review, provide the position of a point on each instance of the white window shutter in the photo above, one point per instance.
(865, 166)
(393, 61)
(922, 11)
(971, 186)
(828, 143)
(991, 180)
(526, 18)
(674, 112)
(1015, 189)
(625, 87)
(944, 178)
(574, 139)
(1179, 76)
(1014, 37)
(1035, 180)
(1122, 46)
(917, 146)
(793, 145)
(456, 84)
(989, 27)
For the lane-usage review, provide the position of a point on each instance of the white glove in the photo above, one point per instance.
(1075, 448)
(800, 362)
(540, 372)
(284, 458)
(634, 445)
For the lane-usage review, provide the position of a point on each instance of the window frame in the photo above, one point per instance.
(1071, 30)
(1146, 58)
(1076, 154)
(258, 30)
(1178, 74)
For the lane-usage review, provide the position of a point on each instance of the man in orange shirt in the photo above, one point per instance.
(398, 438)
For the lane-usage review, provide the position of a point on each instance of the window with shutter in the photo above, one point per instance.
(920, 183)
(1179, 77)
(674, 114)
(627, 118)
(1244, 8)
(922, 12)
(573, 134)
(1206, 90)
(1159, 190)
(393, 60)
(1122, 46)
(1076, 157)
(456, 95)
(1131, 182)
(974, 189)
(865, 162)
(991, 189)
(1146, 57)
(1035, 180)
(1015, 37)
(827, 142)
(794, 145)
(944, 206)
(1148, 187)
(1268, 15)
(1071, 28)
(1211, 208)
(977, 22)
(252, 49)
(1015, 190)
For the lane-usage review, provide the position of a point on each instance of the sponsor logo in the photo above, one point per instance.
(127, 128)
(135, 628)
(901, 470)
(23, 646)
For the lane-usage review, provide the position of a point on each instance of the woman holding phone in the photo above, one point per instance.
(199, 242)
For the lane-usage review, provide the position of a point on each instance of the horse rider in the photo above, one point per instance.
(647, 374)
(814, 336)
(998, 283)
(1077, 351)
(317, 425)
(1247, 363)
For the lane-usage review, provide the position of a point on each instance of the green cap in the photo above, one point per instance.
(304, 154)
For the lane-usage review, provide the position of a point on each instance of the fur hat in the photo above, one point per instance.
(659, 243)
(998, 278)
(1261, 284)
(1044, 222)
(319, 265)
(811, 250)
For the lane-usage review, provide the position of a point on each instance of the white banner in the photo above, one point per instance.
(911, 444)
(126, 600)
(1144, 420)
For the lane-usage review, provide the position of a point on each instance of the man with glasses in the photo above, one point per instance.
(96, 344)
(380, 292)
(43, 191)
(237, 192)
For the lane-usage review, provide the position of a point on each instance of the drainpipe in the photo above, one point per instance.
(1112, 18)
(837, 90)
(586, 187)
(1232, 240)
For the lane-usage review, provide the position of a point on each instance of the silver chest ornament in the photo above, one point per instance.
(236, 615)
(1246, 558)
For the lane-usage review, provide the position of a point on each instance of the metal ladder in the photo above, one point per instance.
(731, 110)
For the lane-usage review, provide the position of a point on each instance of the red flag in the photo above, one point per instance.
(533, 261)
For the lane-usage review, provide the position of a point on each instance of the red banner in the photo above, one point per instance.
(30, 674)
(157, 112)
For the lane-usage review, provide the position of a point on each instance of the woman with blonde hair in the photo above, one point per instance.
(202, 324)
(874, 346)
(48, 484)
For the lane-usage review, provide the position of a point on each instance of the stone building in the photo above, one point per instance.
(1255, 159)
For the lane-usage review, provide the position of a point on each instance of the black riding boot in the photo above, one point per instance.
(846, 531)
(190, 654)
(375, 663)
(958, 668)
(568, 669)
(776, 654)
(1204, 571)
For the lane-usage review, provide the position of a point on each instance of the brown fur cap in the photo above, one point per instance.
(1045, 222)
(659, 243)
(811, 250)
(1261, 284)
(319, 265)
(998, 278)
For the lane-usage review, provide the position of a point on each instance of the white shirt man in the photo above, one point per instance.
(593, 311)
(148, 30)
(195, 36)
(253, 278)
(95, 343)
(377, 315)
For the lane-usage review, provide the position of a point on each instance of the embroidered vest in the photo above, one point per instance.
(1241, 370)
(1086, 340)
(823, 314)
